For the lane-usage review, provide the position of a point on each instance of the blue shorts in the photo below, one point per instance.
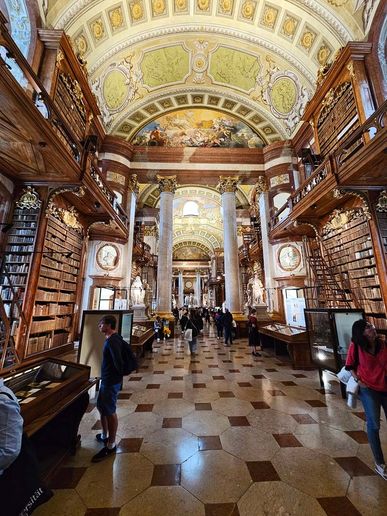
(107, 399)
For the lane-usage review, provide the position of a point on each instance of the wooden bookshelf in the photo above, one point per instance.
(351, 252)
(53, 317)
(17, 258)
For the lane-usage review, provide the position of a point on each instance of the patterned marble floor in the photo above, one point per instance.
(223, 433)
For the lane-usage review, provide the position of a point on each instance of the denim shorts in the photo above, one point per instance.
(107, 399)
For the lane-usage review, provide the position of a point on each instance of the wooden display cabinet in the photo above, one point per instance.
(296, 340)
(53, 396)
(142, 338)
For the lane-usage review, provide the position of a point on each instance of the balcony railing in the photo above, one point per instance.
(321, 173)
(12, 59)
(362, 135)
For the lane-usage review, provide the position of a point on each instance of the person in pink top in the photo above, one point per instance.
(367, 361)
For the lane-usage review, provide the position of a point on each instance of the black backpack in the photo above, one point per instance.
(129, 359)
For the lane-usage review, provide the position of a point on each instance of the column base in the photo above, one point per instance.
(165, 315)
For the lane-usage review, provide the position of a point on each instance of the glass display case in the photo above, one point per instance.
(296, 341)
(92, 340)
(329, 331)
(44, 387)
(142, 338)
(53, 396)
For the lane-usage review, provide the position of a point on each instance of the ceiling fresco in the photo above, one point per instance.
(197, 128)
(254, 60)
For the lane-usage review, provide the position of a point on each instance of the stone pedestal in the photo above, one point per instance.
(262, 314)
(139, 314)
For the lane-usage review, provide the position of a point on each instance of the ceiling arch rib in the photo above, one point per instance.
(265, 124)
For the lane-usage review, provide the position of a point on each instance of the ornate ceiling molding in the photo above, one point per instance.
(198, 29)
(312, 7)
(266, 116)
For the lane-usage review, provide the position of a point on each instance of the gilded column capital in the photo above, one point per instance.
(261, 186)
(228, 184)
(133, 184)
(167, 183)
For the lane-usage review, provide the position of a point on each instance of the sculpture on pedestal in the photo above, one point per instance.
(137, 292)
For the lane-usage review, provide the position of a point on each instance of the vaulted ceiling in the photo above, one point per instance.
(256, 60)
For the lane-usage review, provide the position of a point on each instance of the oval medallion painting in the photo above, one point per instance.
(197, 128)
(115, 89)
(289, 257)
(107, 257)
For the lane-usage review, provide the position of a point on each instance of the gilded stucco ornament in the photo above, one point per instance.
(381, 205)
(133, 184)
(285, 96)
(228, 184)
(29, 199)
(339, 193)
(167, 183)
(199, 61)
(260, 186)
(68, 217)
(116, 87)
(340, 218)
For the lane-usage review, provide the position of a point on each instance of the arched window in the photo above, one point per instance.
(191, 209)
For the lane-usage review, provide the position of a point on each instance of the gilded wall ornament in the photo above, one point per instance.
(167, 183)
(158, 7)
(279, 180)
(381, 205)
(97, 29)
(226, 7)
(323, 54)
(116, 19)
(307, 39)
(289, 26)
(133, 184)
(136, 11)
(180, 6)
(203, 5)
(269, 16)
(68, 217)
(29, 199)
(150, 231)
(340, 218)
(81, 44)
(115, 178)
(248, 9)
(228, 184)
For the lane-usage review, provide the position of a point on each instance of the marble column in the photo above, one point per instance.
(130, 209)
(227, 187)
(198, 289)
(167, 186)
(181, 289)
(268, 258)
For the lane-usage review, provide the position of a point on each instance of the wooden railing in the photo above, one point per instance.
(362, 136)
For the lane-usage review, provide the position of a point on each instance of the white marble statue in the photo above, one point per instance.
(257, 291)
(137, 292)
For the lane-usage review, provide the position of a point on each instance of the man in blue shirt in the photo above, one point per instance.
(111, 381)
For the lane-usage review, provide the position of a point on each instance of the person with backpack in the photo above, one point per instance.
(112, 372)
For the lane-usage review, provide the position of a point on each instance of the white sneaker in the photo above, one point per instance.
(381, 469)
(158, 340)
